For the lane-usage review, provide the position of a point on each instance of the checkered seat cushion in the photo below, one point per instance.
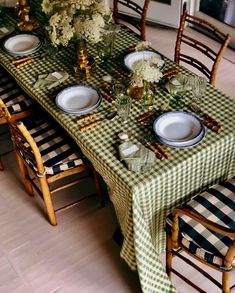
(12, 95)
(59, 152)
(218, 205)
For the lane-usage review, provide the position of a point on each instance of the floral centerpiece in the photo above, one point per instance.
(76, 18)
(145, 74)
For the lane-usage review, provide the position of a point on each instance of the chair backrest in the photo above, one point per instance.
(138, 19)
(210, 30)
(22, 140)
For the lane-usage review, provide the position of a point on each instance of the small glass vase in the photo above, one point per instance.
(147, 95)
(135, 92)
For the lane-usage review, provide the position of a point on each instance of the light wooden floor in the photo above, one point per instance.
(79, 254)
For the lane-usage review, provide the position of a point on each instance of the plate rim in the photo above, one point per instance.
(77, 113)
(203, 134)
(177, 112)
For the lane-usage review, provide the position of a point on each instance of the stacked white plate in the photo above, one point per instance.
(22, 44)
(78, 99)
(179, 129)
(131, 58)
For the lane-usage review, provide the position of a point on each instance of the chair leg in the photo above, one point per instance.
(1, 165)
(25, 175)
(48, 200)
(226, 282)
(169, 255)
(98, 187)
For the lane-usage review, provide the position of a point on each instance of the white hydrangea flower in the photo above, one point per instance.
(84, 18)
(144, 70)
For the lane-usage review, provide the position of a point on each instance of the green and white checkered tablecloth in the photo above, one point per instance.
(141, 201)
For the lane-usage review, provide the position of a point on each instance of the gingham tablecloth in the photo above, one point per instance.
(141, 201)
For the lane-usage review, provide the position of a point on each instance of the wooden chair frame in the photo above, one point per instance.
(200, 25)
(17, 116)
(139, 24)
(20, 136)
(173, 248)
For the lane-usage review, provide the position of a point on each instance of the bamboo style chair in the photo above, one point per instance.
(184, 40)
(46, 154)
(137, 21)
(18, 103)
(204, 228)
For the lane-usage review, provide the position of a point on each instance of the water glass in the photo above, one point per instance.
(198, 88)
(176, 88)
(106, 45)
(123, 102)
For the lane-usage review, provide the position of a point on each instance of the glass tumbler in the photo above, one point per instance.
(123, 102)
(198, 88)
(106, 45)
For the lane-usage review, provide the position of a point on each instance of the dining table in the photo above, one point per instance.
(141, 200)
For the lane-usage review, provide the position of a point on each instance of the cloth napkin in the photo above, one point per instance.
(51, 80)
(136, 156)
(6, 30)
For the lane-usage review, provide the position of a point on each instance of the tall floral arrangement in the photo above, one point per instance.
(76, 18)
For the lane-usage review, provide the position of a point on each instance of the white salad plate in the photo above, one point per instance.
(78, 99)
(22, 44)
(179, 129)
(131, 58)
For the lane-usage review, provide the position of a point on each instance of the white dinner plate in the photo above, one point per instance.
(22, 44)
(78, 99)
(131, 58)
(177, 127)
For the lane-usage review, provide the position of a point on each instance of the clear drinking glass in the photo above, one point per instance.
(123, 102)
(175, 87)
(106, 45)
(198, 88)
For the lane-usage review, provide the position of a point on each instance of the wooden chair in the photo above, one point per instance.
(18, 103)
(204, 228)
(138, 17)
(184, 39)
(46, 154)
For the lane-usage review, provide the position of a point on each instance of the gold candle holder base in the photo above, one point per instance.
(83, 70)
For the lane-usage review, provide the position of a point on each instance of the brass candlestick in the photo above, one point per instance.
(84, 63)
(22, 9)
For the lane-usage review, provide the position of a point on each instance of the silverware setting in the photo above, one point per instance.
(108, 116)
(156, 148)
(207, 119)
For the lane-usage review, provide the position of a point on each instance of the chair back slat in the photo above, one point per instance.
(200, 47)
(214, 56)
(139, 24)
(197, 64)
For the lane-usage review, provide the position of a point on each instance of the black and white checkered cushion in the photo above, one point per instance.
(59, 152)
(12, 95)
(218, 205)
